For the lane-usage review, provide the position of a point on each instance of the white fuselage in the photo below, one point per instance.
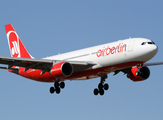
(122, 51)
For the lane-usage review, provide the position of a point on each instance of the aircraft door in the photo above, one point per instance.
(130, 47)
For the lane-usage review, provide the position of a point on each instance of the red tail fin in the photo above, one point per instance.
(17, 49)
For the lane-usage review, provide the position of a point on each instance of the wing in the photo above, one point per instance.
(126, 70)
(41, 64)
(152, 64)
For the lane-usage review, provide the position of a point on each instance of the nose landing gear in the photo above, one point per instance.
(101, 86)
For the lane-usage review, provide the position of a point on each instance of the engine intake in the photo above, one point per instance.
(61, 70)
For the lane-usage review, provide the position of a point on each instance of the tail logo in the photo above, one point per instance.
(15, 49)
(13, 40)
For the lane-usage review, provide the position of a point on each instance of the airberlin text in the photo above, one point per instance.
(111, 50)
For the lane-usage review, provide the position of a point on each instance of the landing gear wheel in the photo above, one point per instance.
(62, 85)
(101, 92)
(56, 84)
(100, 86)
(95, 91)
(52, 90)
(106, 86)
(58, 90)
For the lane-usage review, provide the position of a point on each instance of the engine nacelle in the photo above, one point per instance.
(61, 70)
(138, 75)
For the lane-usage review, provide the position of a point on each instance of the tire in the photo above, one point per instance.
(95, 91)
(58, 90)
(100, 86)
(56, 84)
(52, 90)
(106, 86)
(62, 85)
(101, 92)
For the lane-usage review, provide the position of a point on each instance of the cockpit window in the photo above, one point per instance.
(147, 43)
(143, 43)
(150, 43)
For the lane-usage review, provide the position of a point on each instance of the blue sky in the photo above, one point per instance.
(54, 26)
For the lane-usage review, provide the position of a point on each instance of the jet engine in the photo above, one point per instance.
(138, 74)
(61, 70)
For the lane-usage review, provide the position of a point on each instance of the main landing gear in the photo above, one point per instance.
(101, 86)
(100, 90)
(57, 87)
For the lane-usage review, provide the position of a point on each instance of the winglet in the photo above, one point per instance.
(17, 49)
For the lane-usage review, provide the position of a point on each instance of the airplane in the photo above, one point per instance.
(128, 56)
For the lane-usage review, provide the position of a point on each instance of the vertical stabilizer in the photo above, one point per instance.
(17, 49)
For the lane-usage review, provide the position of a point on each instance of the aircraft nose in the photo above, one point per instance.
(155, 49)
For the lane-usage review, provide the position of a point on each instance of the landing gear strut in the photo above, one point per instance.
(101, 86)
(57, 87)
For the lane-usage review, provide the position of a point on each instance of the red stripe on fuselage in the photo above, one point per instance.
(34, 74)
